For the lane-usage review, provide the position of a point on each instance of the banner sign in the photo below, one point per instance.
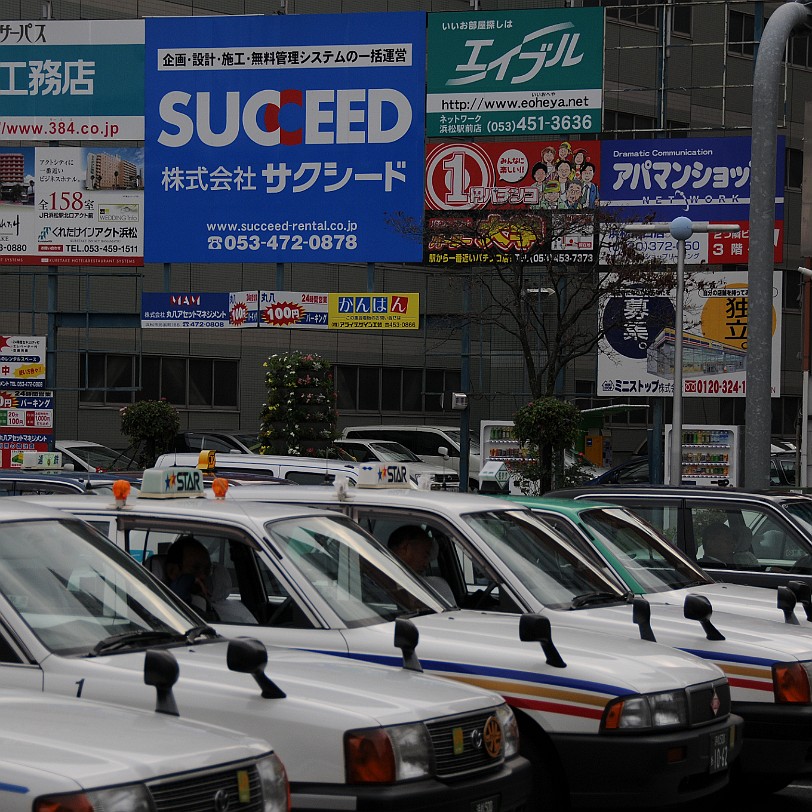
(22, 362)
(704, 179)
(282, 308)
(39, 419)
(285, 138)
(71, 206)
(190, 310)
(374, 311)
(494, 202)
(27, 400)
(294, 309)
(77, 79)
(636, 352)
(533, 72)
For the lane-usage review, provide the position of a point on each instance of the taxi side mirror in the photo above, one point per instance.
(641, 615)
(536, 629)
(803, 593)
(248, 656)
(161, 670)
(698, 607)
(406, 639)
(786, 603)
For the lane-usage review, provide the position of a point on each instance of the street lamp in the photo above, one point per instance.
(681, 229)
(802, 457)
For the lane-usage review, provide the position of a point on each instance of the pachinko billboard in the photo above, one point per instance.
(495, 202)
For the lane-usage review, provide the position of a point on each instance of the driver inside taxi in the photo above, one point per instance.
(187, 567)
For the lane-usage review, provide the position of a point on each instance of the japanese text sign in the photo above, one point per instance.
(22, 362)
(72, 205)
(374, 311)
(192, 310)
(493, 202)
(636, 351)
(704, 179)
(532, 72)
(284, 138)
(78, 79)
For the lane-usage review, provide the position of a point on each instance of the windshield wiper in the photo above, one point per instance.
(138, 637)
(588, 598)
(197, 632)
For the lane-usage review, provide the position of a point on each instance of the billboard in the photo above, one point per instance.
(195, 310)
(636, 352)
(22, 362)
(704, 179)
(532, 72)
(285, 138)
(494, 202)
(71, 206)
(77, 79)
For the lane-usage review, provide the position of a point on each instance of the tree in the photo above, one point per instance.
(544, 426)
(524, 286)
(150, 426)
(299, 415)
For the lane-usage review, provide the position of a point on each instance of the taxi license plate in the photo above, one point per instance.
(486, 804)
(718, 752)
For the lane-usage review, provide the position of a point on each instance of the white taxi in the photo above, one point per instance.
(69, 755)
(652, 723)
(77, 616)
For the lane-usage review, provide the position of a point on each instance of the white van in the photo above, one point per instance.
(425, 442)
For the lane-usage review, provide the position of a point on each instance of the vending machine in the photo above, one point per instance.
(710, 455)
(497, 444)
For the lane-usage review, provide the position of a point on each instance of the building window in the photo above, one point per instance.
(188, 383)
(393, 389)
(798, 52)
(617, 124)
(794, 168)
(645, 13)
(741, 33)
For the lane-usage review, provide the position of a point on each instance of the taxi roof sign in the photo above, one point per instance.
(42, 460)
(207, 460)
(383, 475)
(172, 483)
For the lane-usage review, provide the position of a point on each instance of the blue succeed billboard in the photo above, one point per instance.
(284, 138)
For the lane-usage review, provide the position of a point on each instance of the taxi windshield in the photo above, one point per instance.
(644, 560)
(74, 589)
(361, 581)
(548, 567)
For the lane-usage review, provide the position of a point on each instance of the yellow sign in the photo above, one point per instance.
(373, 311)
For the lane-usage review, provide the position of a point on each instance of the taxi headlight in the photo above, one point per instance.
(274, 782)
(510, 731)
(791, 683)
(666, 709)
(384, 755)
(131, 798)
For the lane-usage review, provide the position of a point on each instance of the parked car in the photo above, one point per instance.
(343, 595)
(240, 442)
(77, 615)
(623, 545)
(636, 471)
(440, 478)
(19, 482)
(425, 441)
(88, 456)
(772, 531)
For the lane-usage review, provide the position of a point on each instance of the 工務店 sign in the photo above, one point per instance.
(533, 72)
(78, 80)
(285, 138)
